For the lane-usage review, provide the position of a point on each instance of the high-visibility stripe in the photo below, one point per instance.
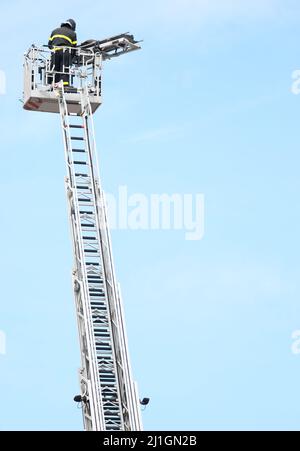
(57, 49)
(62, 36)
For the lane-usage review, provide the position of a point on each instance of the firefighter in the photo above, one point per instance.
(61, 59)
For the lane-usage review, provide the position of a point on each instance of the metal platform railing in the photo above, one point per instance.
(82, 66)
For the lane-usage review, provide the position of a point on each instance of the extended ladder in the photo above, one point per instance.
(109, 396)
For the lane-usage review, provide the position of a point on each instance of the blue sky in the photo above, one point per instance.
(205, 107)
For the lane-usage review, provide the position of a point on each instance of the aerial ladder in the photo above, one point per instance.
(109, 396)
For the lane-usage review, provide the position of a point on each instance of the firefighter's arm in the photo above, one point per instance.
(74, 45)
(75, 39)
(50, 42)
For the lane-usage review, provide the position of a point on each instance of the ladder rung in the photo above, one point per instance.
(77, 138)
(78, 150)
(83, 163)
(81, 175)
(76, 126)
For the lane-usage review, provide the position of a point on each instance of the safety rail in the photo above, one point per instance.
(84, 68)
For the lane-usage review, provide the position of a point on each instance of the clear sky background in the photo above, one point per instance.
(205, 107)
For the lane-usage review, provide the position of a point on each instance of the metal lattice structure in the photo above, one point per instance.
(109, 396)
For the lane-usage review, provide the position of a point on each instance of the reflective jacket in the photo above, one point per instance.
(62, 37)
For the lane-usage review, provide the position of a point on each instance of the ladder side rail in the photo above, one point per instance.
(86, 359)
(138, 412)
(120, 330)
(79, 253)
(110, 286)
(88, 409)
(87, 121)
